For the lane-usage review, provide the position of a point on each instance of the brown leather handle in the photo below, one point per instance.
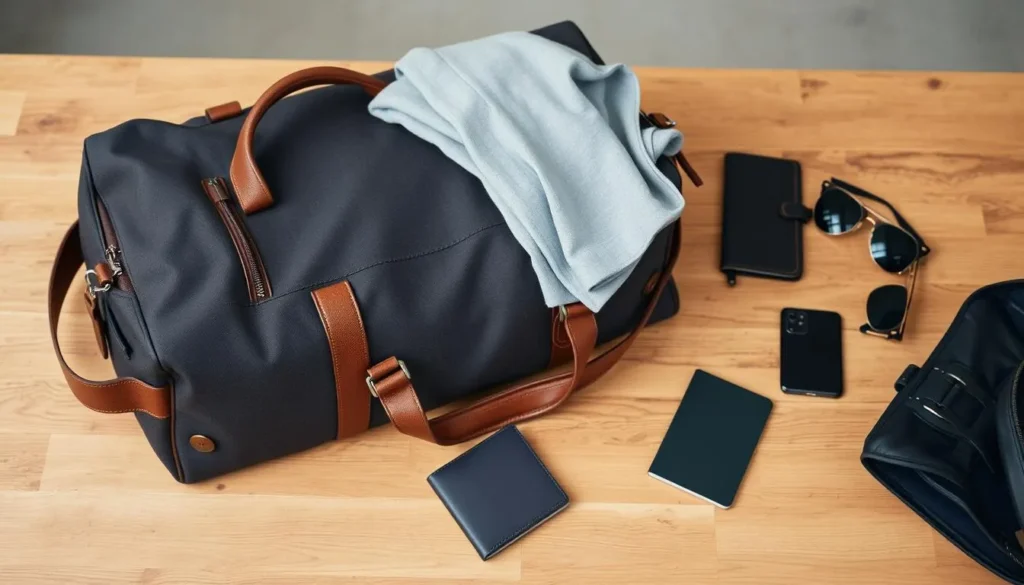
(521, 402)
(110, 396)
(250, 187)
(398, 397)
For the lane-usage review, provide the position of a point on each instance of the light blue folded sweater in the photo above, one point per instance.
(556, 141)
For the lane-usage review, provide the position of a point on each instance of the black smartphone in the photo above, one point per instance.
(812, 353)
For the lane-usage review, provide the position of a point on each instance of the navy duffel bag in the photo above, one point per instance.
(268, 280)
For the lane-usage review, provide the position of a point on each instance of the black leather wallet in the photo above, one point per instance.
(762, 218)
(498, 491)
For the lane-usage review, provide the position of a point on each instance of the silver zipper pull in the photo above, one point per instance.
(112, 254)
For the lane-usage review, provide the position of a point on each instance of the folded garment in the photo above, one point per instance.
(557, 143)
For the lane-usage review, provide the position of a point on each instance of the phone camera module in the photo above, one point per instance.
(796, 322)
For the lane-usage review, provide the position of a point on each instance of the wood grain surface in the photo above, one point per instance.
(84, 500)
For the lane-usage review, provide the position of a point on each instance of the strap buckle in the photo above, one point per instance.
(371, 382)
(937, 401)
(942, 388)
(658, 120)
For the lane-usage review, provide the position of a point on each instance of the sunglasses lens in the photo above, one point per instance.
(892, 248)
(886, 307)
(837, 212)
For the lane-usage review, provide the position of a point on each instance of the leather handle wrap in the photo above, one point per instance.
(250, 187)
(520, 402)
(110, 396)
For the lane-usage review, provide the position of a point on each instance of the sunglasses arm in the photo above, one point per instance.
(897, 335)
(894, 335)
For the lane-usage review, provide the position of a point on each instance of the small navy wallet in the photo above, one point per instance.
(498, 491)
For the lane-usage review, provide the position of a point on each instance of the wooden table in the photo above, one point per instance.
(84, 500)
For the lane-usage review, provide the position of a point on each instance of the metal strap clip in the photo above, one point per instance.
(371, 383)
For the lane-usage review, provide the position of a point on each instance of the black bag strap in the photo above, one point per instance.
(950, 401)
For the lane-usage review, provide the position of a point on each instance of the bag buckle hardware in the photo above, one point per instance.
(371, 383)
(944, 396)
(939, 398)
(563, 313)
(92, 283)
(658, 120)
(936, 399)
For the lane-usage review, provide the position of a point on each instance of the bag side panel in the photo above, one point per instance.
(143, 363)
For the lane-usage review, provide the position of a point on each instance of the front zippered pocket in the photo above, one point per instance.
(98, 305)
(112, 249)
(252, 265)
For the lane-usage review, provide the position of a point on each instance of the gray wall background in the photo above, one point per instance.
(860, 34)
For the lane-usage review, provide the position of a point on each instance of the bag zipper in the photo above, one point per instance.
(112, 249)
(119, 279)
(252, 265)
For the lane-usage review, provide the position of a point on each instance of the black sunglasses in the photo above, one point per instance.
(897, 249)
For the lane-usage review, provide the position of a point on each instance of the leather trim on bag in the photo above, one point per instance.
(223, 111)
(561, 349)
(98, 327)
(524, 400)
(256, 280)
(350, 355)
(398, 396)
(111, 396)
(250, 187)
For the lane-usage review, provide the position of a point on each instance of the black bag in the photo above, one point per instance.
(950, 444)
(248, 326)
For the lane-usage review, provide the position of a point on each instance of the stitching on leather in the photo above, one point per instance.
(557, 340)
(250, 161)
(436, 250)
(529, 525)
(335, 358)
(234, 236)
(359, 319)
(127, 410)
(142, 329)
(419, 409)
(534, 453)
(498, 402)
(460, 456)
(386, 397)
(544, 385)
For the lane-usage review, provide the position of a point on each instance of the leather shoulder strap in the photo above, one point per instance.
(391, 381)
(110, 396)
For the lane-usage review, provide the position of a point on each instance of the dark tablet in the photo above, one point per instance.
(711, 439)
